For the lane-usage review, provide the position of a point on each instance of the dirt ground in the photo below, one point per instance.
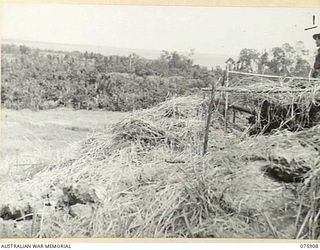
(29, 137)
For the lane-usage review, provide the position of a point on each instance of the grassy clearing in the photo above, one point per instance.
(145, 176)
(35, 137)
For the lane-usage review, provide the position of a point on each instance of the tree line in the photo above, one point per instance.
(286, 60)
(41, 79)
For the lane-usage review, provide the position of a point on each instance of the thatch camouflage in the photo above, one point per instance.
(285, 104)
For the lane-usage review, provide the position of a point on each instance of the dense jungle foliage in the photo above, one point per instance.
(42, 79)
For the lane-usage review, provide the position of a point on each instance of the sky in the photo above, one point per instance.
(216, 30)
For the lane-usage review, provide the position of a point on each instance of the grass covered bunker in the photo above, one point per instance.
(158, 184)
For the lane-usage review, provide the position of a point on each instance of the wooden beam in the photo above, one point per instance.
(236, 107)
(227, 100)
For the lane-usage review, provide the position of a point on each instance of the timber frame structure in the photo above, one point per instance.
(311, 87)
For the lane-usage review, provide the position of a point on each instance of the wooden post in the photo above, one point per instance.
(227, 100)
(210, 107)
(204, 95)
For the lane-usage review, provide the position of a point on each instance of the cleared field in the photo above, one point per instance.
(29, 137)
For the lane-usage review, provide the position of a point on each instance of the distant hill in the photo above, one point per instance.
(203, 59)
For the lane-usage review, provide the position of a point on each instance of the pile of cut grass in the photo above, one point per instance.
(134, 181)
(191, 107)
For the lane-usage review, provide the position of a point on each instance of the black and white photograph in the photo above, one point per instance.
(140, 121)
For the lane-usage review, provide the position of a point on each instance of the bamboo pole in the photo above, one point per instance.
(210, 107)
(239, 90)
(272, 76)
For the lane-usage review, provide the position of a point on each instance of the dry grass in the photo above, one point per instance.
(292, 103)
(146, 177)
